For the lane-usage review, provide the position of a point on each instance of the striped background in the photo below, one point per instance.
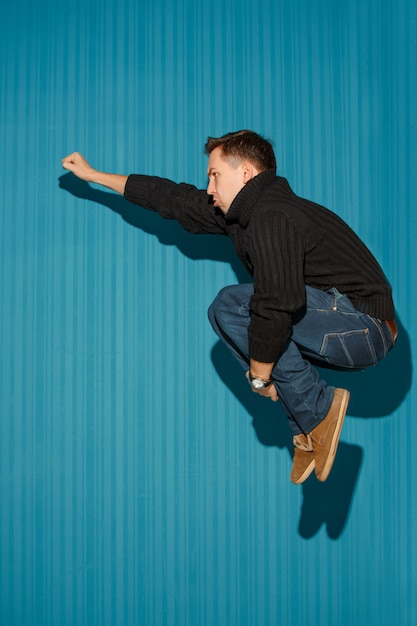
(141, 483)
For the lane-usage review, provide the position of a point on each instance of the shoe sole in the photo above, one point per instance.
(305, 474)
(336, 436)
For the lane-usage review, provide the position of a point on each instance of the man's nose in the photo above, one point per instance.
(211, 188)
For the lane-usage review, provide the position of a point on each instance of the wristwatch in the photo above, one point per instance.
(258, 383)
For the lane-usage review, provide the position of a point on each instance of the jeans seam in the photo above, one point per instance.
(378, 325)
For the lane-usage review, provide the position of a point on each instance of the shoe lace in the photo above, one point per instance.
(303, 442)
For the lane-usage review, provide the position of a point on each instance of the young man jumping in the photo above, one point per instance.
(318, 295)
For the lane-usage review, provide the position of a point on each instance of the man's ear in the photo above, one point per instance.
(249, 171)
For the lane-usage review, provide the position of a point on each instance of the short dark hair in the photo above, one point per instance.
(245, 144)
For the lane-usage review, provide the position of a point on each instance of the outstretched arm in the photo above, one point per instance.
(78, 165)
(191, 207)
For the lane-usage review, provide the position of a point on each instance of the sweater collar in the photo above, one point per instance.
(241, 208)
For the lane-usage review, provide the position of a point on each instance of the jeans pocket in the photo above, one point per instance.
(351, 349)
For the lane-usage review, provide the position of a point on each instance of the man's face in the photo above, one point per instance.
(226, 179)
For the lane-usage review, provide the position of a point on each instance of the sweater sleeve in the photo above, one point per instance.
(189, 206)
(277, 251)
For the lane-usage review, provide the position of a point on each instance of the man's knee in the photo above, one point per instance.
(219, 305)
(231, 301)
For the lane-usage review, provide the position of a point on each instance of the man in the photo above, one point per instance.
(318, 294)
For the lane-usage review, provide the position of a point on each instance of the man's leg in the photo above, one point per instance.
(331, 332)
(304, 396)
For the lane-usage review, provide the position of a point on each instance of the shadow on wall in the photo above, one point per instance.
(169, 233)
(375, 393)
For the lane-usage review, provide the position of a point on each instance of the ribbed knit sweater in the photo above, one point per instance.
(284, 241)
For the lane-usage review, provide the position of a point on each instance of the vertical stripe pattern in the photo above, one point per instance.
(141, 482)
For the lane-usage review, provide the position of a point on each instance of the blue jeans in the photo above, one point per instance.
(331, 333)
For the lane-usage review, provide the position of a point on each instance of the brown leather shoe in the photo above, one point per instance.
(325, 437)
(303, 460)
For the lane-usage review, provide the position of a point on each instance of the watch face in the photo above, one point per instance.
(258, 384)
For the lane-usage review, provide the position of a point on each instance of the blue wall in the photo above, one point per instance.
(141, 482)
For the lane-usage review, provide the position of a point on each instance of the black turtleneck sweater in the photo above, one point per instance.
(284, 241)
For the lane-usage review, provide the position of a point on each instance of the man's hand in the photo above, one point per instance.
(81, 168)
(78, 165)
(267, 392)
